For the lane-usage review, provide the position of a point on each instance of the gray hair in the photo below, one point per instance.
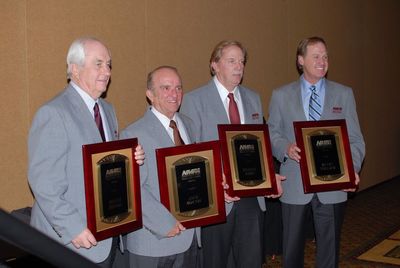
(76, 53)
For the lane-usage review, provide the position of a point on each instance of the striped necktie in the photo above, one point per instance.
(315, 108)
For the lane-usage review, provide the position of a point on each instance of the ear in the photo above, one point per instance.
(214, 66)
(150, 95)
(300, 60)
(75, 70)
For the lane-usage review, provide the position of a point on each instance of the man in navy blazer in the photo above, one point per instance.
(207, 106)
(59, 129)
(291, 103)
(163, 241)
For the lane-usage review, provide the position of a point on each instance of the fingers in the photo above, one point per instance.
(228, 198)
(293, 152)
(85, 239)
(176, 230)
(356, 182)
(181, 227)
(280, 177)
(139, 155)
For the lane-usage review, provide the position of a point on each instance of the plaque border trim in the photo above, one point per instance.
(339, 128)
(203, 149)
(89, 153)
(268, 188)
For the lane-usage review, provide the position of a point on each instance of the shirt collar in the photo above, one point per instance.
(223, 92)
(89, 101)
(305, 85)
(163, 119)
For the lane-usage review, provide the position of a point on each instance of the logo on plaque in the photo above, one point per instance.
(113, 180)
(191, 185)
(327, 160)
(247, 151)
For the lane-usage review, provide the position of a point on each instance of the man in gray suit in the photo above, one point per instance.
(208, 106)
(292, 103)
(163, 241)
(59, 129)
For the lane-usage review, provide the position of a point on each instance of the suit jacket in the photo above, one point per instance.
(285, 108)
(59, 129)
(151, 240)
(205, 108)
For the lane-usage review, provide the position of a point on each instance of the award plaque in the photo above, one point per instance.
(190, 180)
(112, 188)
(247, 160)
(326, 163)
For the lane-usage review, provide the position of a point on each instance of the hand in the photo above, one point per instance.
(176, 230)
(279, 179)
(139, 155)
(293, 152)
(357, 181)
(228, 198)
(84, 239)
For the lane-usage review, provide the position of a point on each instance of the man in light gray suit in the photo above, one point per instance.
(208, 106)
(163, 241)
(59, 129)
(292, 103)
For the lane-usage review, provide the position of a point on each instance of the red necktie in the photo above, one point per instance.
(177, 137)
(234, 116)
(99, 122)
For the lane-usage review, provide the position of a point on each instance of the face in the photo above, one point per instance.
(314, 62)
(94, 75)
(166, 94)
(230, 67)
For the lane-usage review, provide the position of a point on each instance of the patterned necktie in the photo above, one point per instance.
(177, 137)
(234, 116)
(99, 122)
(315, 108)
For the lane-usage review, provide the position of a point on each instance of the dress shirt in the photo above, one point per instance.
(223, 93)
(165, 122)
(306, 93)
(89, 101)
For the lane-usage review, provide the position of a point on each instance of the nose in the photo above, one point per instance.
(239, 65)
(173, 92)
(106, 70)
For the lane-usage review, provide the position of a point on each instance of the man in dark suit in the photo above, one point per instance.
(59, 129)
(292, 103)
(163, 241)
(208, 106)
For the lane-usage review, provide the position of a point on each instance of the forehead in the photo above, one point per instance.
(231, 51)
(316, 48)
(95, 49)
(167, 76)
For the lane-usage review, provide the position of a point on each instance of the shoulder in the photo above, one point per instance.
(106, 105)
(201, 91)
(54, 105)
(135, 126)
(331, 85)
(287, 90)
(249, 92)
(186, 120)
(289, 87)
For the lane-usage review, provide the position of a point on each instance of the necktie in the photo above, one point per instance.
(234, 116)
(177, 137)
(315, 108)
(99, 122)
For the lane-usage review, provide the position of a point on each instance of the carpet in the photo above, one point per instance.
(386, 251)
